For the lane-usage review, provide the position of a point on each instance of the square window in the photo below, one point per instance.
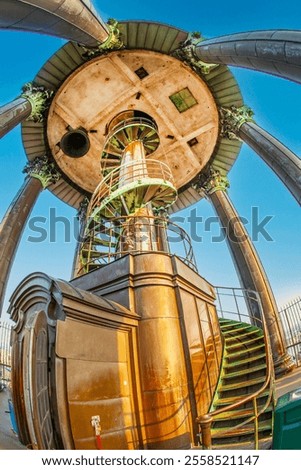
(183, 100)
(141, 73)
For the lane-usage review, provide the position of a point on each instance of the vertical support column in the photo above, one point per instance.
(41, 174)
(163, 375)
(248, 265)
(237, 123)
(31, 105)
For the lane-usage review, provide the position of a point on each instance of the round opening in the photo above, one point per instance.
(75, 143)
(130, 114)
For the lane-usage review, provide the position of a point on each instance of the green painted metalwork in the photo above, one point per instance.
(112, 43)
(148, 36)
(233, 118)
(113, 202)
(183, 100)
(215, 181)
(82, 210)
(186, 53)
(39, 98)
(43, 170)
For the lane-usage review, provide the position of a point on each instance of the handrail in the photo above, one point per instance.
(130, 122)
(147, 168)
(112, 232)
(206, 420)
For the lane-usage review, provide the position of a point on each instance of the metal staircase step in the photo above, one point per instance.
(265, 443)
(253, 358)
(241, 384)
(245, 371)
(229, 400)
(230, 328)
(248, 351)
(232, 338)
(241, 431)
(245, 344)
(239, 414)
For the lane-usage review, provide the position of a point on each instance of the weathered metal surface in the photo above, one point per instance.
(75, 20)
(180, 317)
(153, 37)
(91, 356)
(36, 384)
(12, 227)
(277, 52)
(277, 156)
(97, 92)
(99, 376)
(13, 113)
(251, 274)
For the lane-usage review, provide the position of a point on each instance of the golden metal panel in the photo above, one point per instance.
(96, 344)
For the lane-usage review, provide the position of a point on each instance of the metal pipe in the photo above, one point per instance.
(205, 422)
(13, 113)
(276, 52)
(74, 20)
(12, 227)
(277, 156)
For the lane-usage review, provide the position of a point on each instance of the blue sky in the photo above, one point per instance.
(276, 103)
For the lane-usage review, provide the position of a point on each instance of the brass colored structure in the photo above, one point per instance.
(147, 392)
(128, 123)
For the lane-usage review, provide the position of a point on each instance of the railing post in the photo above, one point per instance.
(205, 422)
(255, 424)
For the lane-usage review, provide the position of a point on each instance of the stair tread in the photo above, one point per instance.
(238, 344)
(264, 443)
(245, 351)
(245, 361)
(230, 400)
(238, 413)
(247, 370)
(248, 429)
(238, 385)
(230, 328)
(253, 333)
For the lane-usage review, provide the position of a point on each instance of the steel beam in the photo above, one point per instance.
(277, 52)
(13, 113)
(75, 20)
(279, 158)
(12, 227)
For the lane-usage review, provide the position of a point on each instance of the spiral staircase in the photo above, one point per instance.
(133, 185)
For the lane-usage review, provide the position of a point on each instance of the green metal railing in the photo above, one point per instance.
(109, 240)
(232, 303)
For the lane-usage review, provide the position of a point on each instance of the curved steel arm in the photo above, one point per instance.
(277, 52)
(75, 20)
(277, 156)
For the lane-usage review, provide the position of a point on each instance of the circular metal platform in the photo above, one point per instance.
(88, 93)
